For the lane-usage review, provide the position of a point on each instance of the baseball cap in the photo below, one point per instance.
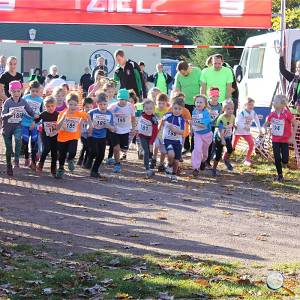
(15, 85)
(123, 94)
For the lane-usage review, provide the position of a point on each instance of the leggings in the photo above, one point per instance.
(146, 147)
(281, 155)
(69, 147)
(249, 140)
(84, 153)
(97, 150)
(17, 133)
(187, 144)
(220, 146)
(201, 146)
(26, 135)
(49, 144)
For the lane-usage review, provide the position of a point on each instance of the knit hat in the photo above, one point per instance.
(15, 85)
(123, 94)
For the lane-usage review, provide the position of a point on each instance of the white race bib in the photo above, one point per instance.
(35, 106)
(170, 135)
(122, 120)
(100, 120)
(72, 124)
(278, 127)
(196, 120)
(248, 123)
(228, 131)
(145, 127)
(17, 114)
(214, 114)
(50, 128)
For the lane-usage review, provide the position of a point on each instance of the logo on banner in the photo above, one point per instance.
(109, 60)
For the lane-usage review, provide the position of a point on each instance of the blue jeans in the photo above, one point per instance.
(26, 135)
(17, 133)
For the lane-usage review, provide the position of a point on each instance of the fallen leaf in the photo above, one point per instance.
(123, 296)
(227, 213)
(203, 282)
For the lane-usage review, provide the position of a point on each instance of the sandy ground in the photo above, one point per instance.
(229, 218)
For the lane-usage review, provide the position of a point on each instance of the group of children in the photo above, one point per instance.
(157, 126)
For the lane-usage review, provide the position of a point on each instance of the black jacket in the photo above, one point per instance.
(153, 78)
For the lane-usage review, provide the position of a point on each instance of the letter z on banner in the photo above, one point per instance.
(202, 13)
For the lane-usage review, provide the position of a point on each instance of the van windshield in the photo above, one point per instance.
(295, 55)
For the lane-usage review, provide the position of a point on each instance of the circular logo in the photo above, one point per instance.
(109, 60)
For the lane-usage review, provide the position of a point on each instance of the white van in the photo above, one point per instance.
(258, 74)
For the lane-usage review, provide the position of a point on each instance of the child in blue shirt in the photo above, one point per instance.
(29, 127)
(201, 128)
(102, 121)
(173, 129)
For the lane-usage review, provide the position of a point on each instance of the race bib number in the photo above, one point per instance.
(171, 135)
(214, 114)
(277, 127)
(248, 123)
(35, 106)
(72, 124)
(100, 120)
(17, 114)
(196, 121)
(50, 128)
(122, 120)
(145, 127)
(228, 131)
(84, 126)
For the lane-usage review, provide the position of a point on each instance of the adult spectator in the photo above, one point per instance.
(36, 76)
(53, 73)
(8, 76)
(86, 80)
(187, 81)
(129, 74)
(235, 90)
(2, 64)
(217, 76)
(293, 93)
(101, 65)
(161, 79)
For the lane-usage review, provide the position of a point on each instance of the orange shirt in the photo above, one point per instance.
(187, 117)
(71, 127)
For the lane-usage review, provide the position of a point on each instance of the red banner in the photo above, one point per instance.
(202, 13)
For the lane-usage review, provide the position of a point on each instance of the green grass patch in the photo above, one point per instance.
(28, 273)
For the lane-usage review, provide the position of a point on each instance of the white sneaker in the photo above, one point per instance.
(168, 169)
(247, 163)
(174, 179)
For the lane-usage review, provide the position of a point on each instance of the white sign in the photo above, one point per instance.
(109, 60)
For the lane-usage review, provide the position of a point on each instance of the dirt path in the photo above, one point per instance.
(226, 218)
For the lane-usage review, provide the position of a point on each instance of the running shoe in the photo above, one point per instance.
(110, 161)
(150, 173)
(71, 165)
(195, 173)
(59, 173)
(153, 163)
(16, 164)
(27, 162)
(228, 164)
(117, 168)
(247, 163)
(9, 170)
(174, 179)
(33, 166)
(95, 175)
(161, 168)
(202, 166)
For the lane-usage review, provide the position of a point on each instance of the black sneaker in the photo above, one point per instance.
(161, 169)
(228, 164)
(88, 165)
(9, 170)
(196, 173)
(202, 166)
(153, 163)
(95, 174)
(279, 178)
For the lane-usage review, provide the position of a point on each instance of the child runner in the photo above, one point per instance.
(160, 110)
(60, 97)
(201, 128)
(102, 121)
(84, 153)
(283, 128)
(124, 121)
(12, 114)
(244, 121)
(29, 127)
(153, 93)
(223, 136)
(49, 134)
(173, 129)
(147, 129)
(69, 126)
(215, 109)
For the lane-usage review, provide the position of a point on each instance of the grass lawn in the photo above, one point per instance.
(34, 273)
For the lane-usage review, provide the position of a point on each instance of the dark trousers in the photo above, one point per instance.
(187, 144)
(281, 155)
(64, 148)
(49, 144)
(109, 142)
(219, 148)
(147, 155)
(84, 153)
(97, 151)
